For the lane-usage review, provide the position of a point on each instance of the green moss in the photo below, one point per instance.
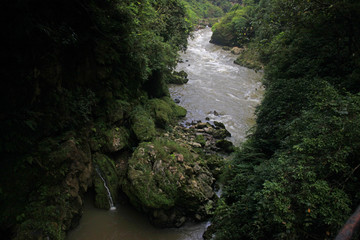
(221, 133)
(165, 111)
(153, 174)
(178, 78)
(106, 167)
(161, 111)
(200, 139)
(225, 145)
(179, 111)
(142, 124)
(215, 164)
(116, 138)
(249, 58)
(117, 111)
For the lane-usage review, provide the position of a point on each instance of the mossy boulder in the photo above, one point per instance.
(117, 111)
(142, 124)
(220, 131)
(55, 206)
(168, 182)
(200, 139)
(116, 139)
(178, 78)
(179, 111)
(215, 164)
(223, 35)
(165, 111)
(109, 139)
(105, 167)
(225, 145)
(249, 58)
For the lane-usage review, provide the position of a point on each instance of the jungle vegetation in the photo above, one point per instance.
(69, 69)
(297, 175)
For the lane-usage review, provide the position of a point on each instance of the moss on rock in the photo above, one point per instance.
(178, 78)
(55, 204)
(106, 167)
(109, 139)
(200, 139)
(163, 178)
(165, 111)
(249, 58)
(225, 145)
(142, 125)
(117, 112)
(116, 139)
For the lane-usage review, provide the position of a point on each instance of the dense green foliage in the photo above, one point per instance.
(297, 175)
(206, 11)
(71, 65)
(235, 28)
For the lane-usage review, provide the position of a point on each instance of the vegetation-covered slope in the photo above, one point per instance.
(297, 175)
(235, 28)
(206, 11)
(73, 74)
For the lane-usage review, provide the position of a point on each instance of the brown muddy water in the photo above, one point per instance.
(125, 223)
(218, 90)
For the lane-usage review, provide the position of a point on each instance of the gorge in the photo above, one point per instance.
(92, 118)
(215, 84)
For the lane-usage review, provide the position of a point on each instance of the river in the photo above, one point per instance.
(218, 90)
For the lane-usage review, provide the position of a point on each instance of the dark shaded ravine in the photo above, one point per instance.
(218, 90)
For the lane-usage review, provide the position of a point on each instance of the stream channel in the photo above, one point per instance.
(218, 90)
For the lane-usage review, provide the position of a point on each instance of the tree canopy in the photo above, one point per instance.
(296, 177)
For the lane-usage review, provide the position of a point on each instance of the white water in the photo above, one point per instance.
(111, 202)
(217, 84)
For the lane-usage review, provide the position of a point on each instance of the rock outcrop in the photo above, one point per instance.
(56, 206)
(170, 183)
(172, 177)
(178, 78)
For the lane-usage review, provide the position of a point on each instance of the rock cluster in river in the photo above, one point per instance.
(172, 177)
(178, 78)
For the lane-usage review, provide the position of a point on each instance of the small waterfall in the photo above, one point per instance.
(111, 203)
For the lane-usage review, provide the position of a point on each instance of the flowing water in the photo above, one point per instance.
(111, 202)
(218, 90)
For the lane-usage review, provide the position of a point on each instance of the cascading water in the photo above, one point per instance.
(218, 89)
(111, 203)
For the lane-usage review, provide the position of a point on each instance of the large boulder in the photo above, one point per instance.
(164, 111)
(223, 35)
(169, 183)
(178, 77)
(142, 124)
(110, 139)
